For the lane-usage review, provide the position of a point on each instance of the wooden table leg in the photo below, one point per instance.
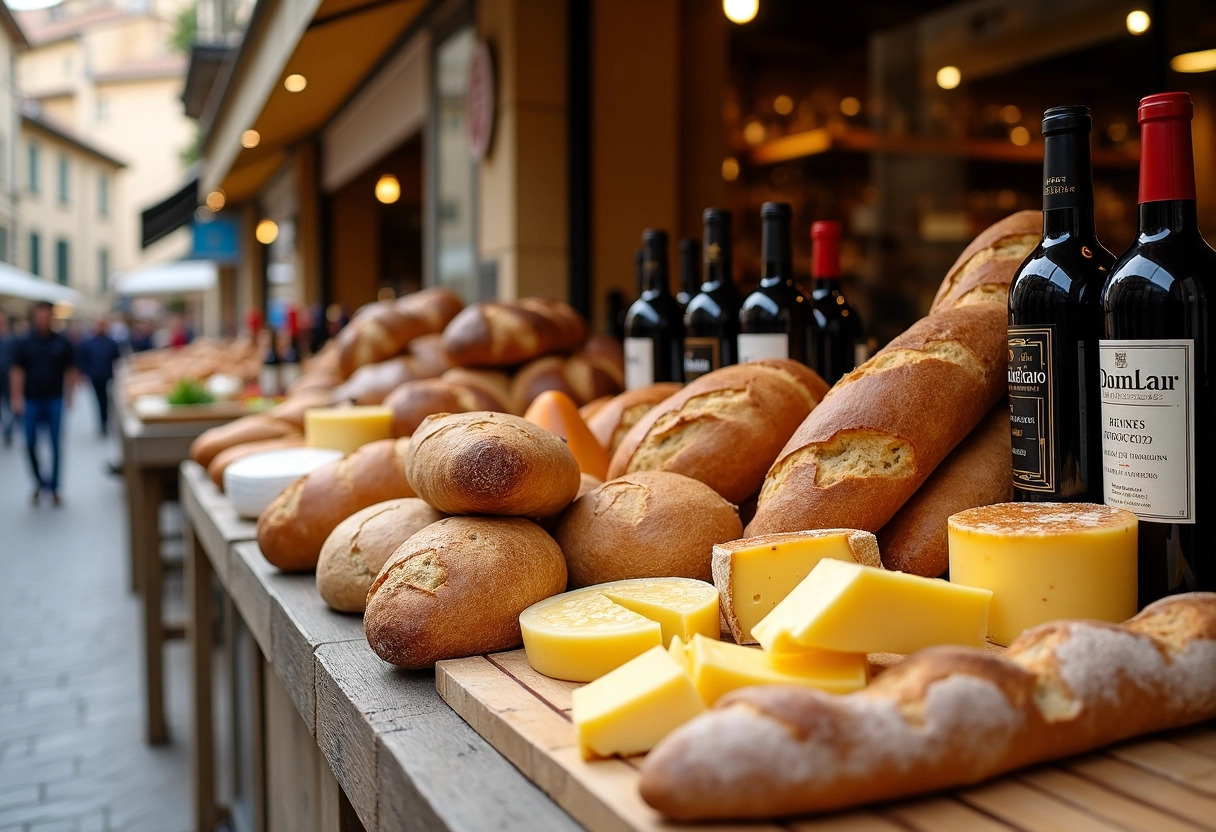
(261, 812)
(200, 629)
(131, 482)
(148, 556)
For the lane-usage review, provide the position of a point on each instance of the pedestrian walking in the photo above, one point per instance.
(95, 357)
(7, 342)
(41, 380)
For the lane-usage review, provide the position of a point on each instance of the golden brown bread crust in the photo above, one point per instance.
(413, 401)
(358, 547)
(436, 305)
(612, 421)
(494, 383)
(884, 428)
(708, 430)
(226, 457)
(430, 358)
(985, 268)
(371, 383)
(292, 408)
(979, 472)
(457, 587)
(491, 463)
(593, 407)
(253, 428)
(384, 329)
(645, 525)
(293, 528)
(581, 376)
(493, 334)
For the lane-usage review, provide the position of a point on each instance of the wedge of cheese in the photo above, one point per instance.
(346, 428)
(581, 635)
(851, 608)
(630, 709)
(753, 575)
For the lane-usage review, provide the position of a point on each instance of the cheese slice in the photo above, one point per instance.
(1045, 561)
(581, 635)
(851, 608)
(630, 709)
(753, 575)
(718, 667)
(346, 428)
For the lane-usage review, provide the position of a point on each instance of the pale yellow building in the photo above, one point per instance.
(12, 41)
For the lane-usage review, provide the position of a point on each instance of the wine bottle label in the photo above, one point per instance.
(268, 380)
(639, 362)
(757, 345)
(289, 373)
(701, 356)
(1148, 427)
(1032, 414)
(861, 354)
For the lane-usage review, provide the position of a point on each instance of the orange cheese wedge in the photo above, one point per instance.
(557, 413)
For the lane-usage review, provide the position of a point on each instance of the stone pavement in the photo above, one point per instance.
(72, 752)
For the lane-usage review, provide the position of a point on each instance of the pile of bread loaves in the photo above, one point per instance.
(156, 372)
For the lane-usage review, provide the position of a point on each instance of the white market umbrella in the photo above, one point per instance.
(18, 283)
(173, 278)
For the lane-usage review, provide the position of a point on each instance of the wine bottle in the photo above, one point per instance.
(840, 344)
(1055, 322)
(269, 378)
(711, 319)
(690, 271)
(289, 366)
(654, 325)
(775, 320)
(1157, 365)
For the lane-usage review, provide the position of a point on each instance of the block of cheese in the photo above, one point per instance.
(851, 608)
(581, 635)
(1045, 561)
(753, 575)
(346, 428)
(630, 709)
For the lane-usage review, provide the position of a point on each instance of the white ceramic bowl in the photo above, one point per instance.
(253, 482)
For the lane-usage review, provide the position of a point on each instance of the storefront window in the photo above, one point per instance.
(453, 203)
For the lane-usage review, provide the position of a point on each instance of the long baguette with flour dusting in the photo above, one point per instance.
(947, 716)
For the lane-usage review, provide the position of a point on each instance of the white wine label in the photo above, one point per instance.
(1032, 413)
(269, 380)
(701, 355)
(1148, 427)
(289, 374)
(639, 362)
(757, 345)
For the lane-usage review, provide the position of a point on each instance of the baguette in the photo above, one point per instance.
(613, 420)
(708, 430)
(979, 472)
(292, 529)
(253, 428)
(413, 401)
(384, 329)
(880, 432)
(230, 455)
(496, 334)
(945, 717)
(983, 272)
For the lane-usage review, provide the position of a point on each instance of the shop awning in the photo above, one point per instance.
(170, 214)
(18, 283)
(175, 278)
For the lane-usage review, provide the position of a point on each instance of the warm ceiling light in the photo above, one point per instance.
(850, 106)
(1202, 61)
(1138, 22)
(388, 189)
(730, 169)
(266, 232)
(783, 104)
(740, 11)
(216, 200)
(1019, 136)
(1011, 114)
(948, 77)
(754, 132)
(295, 82)
(250, 138)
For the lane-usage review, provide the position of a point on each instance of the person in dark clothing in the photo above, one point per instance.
(41, 381)
(6, 362)
(95, 357)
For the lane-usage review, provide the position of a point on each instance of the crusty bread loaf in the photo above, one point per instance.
(253, 428)
(645, 525)
(293, 528)
(984, 270)
(226, 457)
(358, 547)
(430, 358)
(711, 430)
(384, 329)
(413, 401)
(582, 377)
(977, 473)
(613, 420)
(884, 428)
(457, 587)
(292, 408)
(436, 305)
(494, 383)
(371, 383)
(496, 334)
(593, 407)
(947, 716)
(491, 463)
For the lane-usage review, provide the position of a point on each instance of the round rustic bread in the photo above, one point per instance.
(457, 587)
(650, 524)
(491, 463)
(610, 422)
(356, 549)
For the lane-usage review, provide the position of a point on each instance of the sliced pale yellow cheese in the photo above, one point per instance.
(718, 667)
(1045, 561)
(581, 635)
(851, 608)
(679, 651)
(346, 428)
(753, 575)
(630, 709)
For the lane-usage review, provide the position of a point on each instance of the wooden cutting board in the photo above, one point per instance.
(1163, 784)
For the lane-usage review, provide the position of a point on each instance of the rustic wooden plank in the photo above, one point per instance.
(852, 822)
(293, 764)
(1201, 742)
(214, 519)
(1148, 788)
(1035, 811)
(553, 691)
(248, 577)
(1111, 806)
(943, 814)
(1172, 761)
(199, 600)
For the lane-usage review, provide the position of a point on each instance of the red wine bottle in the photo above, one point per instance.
(690, 271)
(1157, 365)
(654, 325)
(269, 378)
(1055, 322)
(840, 344)
(711, 320)
(775, 320)
(289, 365)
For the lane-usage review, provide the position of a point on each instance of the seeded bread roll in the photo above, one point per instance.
(986, 267)
(709, 430)
(645, 525)
(885, 427)
(230, 455)
(293, 528)
(253, 428)
(413, 401)
(613, 420)
(457, 587)
(496, 334)
(947, 716)
(491, 463)
(358, 547)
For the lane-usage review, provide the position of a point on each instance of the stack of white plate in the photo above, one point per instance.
(253, 482)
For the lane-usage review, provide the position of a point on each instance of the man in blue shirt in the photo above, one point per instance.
(41, 381)
(95, 356)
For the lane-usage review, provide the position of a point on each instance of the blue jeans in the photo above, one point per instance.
(43, 413)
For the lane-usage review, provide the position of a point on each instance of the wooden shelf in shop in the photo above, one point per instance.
(850, 140)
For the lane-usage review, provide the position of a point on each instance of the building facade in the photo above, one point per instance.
(12, 42)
